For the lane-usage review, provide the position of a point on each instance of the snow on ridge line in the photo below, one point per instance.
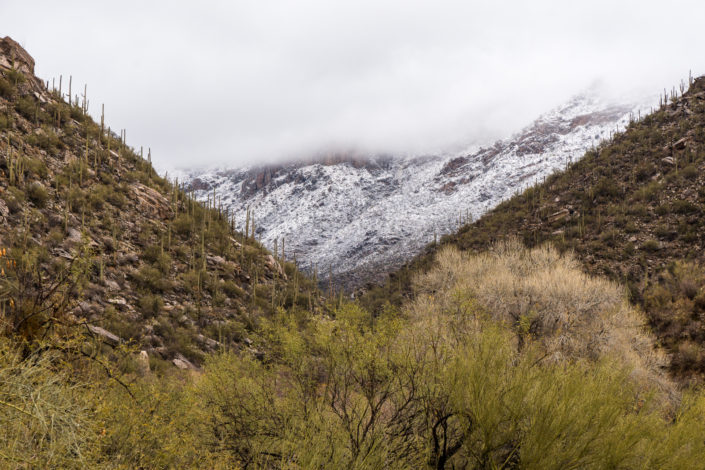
(360, 222)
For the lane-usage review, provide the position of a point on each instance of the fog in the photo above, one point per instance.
(245, 82)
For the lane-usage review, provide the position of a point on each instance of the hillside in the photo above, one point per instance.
(359, 217)
(110, 276)
(632, 210)
(95, 233)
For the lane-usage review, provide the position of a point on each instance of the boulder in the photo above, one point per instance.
(105, 335)
(274, 266)
(182, 363)
(12, 55)
(560, 215)
(151, 202)
(143, 363)
(117, 301)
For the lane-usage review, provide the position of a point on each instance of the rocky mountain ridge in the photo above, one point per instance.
(98, 240)
(359, 217)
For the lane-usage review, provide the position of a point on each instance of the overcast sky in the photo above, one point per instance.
(242, 82)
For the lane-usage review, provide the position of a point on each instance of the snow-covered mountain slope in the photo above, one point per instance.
(361, 217)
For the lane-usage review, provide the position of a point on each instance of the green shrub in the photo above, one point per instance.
(156, 255)
(152, 279)
(27, 107)
(6, 88)
(690, 172)
(650, 245)
(684, 207)
(14, 198)
(15, 76)
(37, 194)
(45, 419)
(607, 188)
(182, 225)
(150, 305)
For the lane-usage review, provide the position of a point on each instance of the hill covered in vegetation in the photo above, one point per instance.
(633, 210)
(100, 240)
(507, 358)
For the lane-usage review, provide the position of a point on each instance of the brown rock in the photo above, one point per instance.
(560, 215)
(274, 266)
(182, 363)
(12, 55)
(151, 202)
(105, 335)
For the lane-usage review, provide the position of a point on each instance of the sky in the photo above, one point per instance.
(233, 83)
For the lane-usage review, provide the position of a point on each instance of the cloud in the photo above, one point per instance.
(220, 82)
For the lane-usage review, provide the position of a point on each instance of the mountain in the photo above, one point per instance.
(98, 240)
(362, 216)
(632, 209)
(139, 329)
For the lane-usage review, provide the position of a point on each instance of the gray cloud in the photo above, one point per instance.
(222, 82)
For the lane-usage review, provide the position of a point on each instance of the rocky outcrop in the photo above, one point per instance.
(151, 201)
(13, 56)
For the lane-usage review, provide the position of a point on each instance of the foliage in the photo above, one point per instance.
(451, 385)
(45, 419)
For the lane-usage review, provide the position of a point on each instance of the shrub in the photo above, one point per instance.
(650, 245)
(14, 198)
(45, 418)
(27, 107)
(182, 225)
(690, 172)
(607, 188)
(683, 207)
(37, 194)
(150, 305)
(6, 88)
(457, 388)
(15, 76)
(152, 280)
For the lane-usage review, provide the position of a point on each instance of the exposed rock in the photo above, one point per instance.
(217, 260)
(182, 363)
(143, 363)
(117, 301)
(274, 266)
(74, 235)
(680, 144)
(151, 201)
(560, 215)
(108, 337)
(13, 56)
(4, 210)
(210, 343)
(129, 258)
(259, 355)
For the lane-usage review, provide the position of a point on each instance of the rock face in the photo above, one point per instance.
(360, 217)
(12, 55)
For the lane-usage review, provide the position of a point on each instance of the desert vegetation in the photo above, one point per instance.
(513, 358)
(630, 210)
(140, 328)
